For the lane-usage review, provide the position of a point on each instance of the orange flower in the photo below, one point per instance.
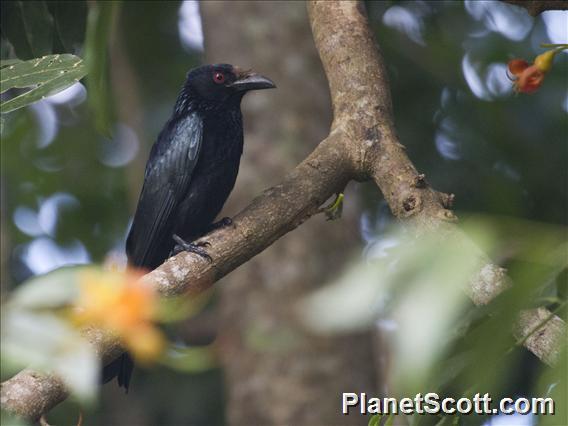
(527, 78)
(118, 302)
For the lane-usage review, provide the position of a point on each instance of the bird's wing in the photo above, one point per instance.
(166, 180)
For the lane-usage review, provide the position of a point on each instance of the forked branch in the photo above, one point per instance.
(362, 145)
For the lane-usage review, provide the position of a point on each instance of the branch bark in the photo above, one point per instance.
(260, 297)
(362, 145)
(536, 7)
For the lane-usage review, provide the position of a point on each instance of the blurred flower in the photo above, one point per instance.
(118, 302)
(527, 78)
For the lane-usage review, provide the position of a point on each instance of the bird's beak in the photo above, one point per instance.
(248, 80)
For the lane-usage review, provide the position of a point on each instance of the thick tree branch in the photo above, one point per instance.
(354, 66)
(362, 145)
(536, 7)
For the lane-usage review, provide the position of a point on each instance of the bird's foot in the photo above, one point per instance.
(197, 248)
(335, 209)
(223, 223)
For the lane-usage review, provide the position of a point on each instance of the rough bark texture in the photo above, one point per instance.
(276, 372)
(541, 332)
(536, 7)
(31, 392)
(362, 145)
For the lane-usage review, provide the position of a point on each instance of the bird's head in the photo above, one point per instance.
(214, 85)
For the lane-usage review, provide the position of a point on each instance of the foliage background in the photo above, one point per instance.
(70, 179)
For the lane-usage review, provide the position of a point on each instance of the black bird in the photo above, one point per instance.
(190, 173)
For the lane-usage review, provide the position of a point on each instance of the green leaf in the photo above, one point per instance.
(99, 25)
(375, 420)
(37, 71)
(445, 420)
(6, 62)
(46, 76)
(378, 418)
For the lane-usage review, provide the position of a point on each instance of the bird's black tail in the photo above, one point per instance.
(121, 368)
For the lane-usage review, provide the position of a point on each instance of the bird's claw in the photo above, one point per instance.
(226, 221)
(196, 248)
(223, 223)
(335, 209)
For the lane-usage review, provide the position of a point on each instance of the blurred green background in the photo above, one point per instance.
(71, 165)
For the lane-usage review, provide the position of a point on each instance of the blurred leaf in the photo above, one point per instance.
(46, 76)
(351, 303)
(189, 360)
(374, 420)
(414, 293)
(263, 339)
(38, 24)
(428, 301)
(52, 290)
(100, 21)
(489, 352)
(28, 26)
(386, 419)
(11, 420)
(554, 384)
(13, 28)
(445, 420)
(70, 18)
(33, 335)
(525, 240)
(176, 309)
(45, 342)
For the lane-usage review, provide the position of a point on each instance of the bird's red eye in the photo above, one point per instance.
(218, 77)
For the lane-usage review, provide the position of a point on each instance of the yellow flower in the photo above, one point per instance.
(544, 61)
(145, 342)
(118, 302)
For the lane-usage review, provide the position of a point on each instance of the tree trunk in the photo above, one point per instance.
(276, 372)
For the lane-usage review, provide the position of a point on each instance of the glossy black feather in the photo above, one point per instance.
(166, 182)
